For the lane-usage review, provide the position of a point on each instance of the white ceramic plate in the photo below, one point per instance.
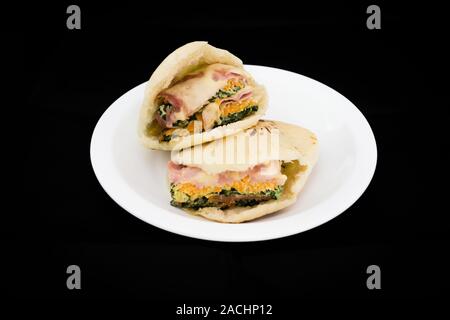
(135, 177)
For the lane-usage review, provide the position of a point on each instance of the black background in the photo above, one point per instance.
(395, 76)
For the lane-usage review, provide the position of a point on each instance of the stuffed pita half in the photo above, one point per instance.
(199, 93)
(245, 176)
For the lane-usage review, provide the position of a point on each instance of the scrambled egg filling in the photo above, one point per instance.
(188, 191)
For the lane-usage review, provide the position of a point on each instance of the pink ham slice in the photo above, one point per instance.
(226, 74)
(177, 105)
(179, 173)
(259, 173)
(240, 95)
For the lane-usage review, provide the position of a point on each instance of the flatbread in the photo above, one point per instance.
(298, 148)
(174, 67)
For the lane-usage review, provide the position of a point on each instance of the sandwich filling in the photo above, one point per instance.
(212, 96)
(193, 188)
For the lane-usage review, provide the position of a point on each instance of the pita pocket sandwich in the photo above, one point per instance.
(199, 93)
(245, 176)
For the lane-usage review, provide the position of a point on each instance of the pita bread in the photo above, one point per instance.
(180, 62)
(298, 149)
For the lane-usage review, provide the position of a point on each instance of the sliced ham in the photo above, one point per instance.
(191, 94)
(179, 173)
(225, 73)
(260, 173)
(177, 109)
(240, 95)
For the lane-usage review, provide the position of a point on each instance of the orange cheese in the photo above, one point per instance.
(190, 127)
(168, 132)
(235, 107)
